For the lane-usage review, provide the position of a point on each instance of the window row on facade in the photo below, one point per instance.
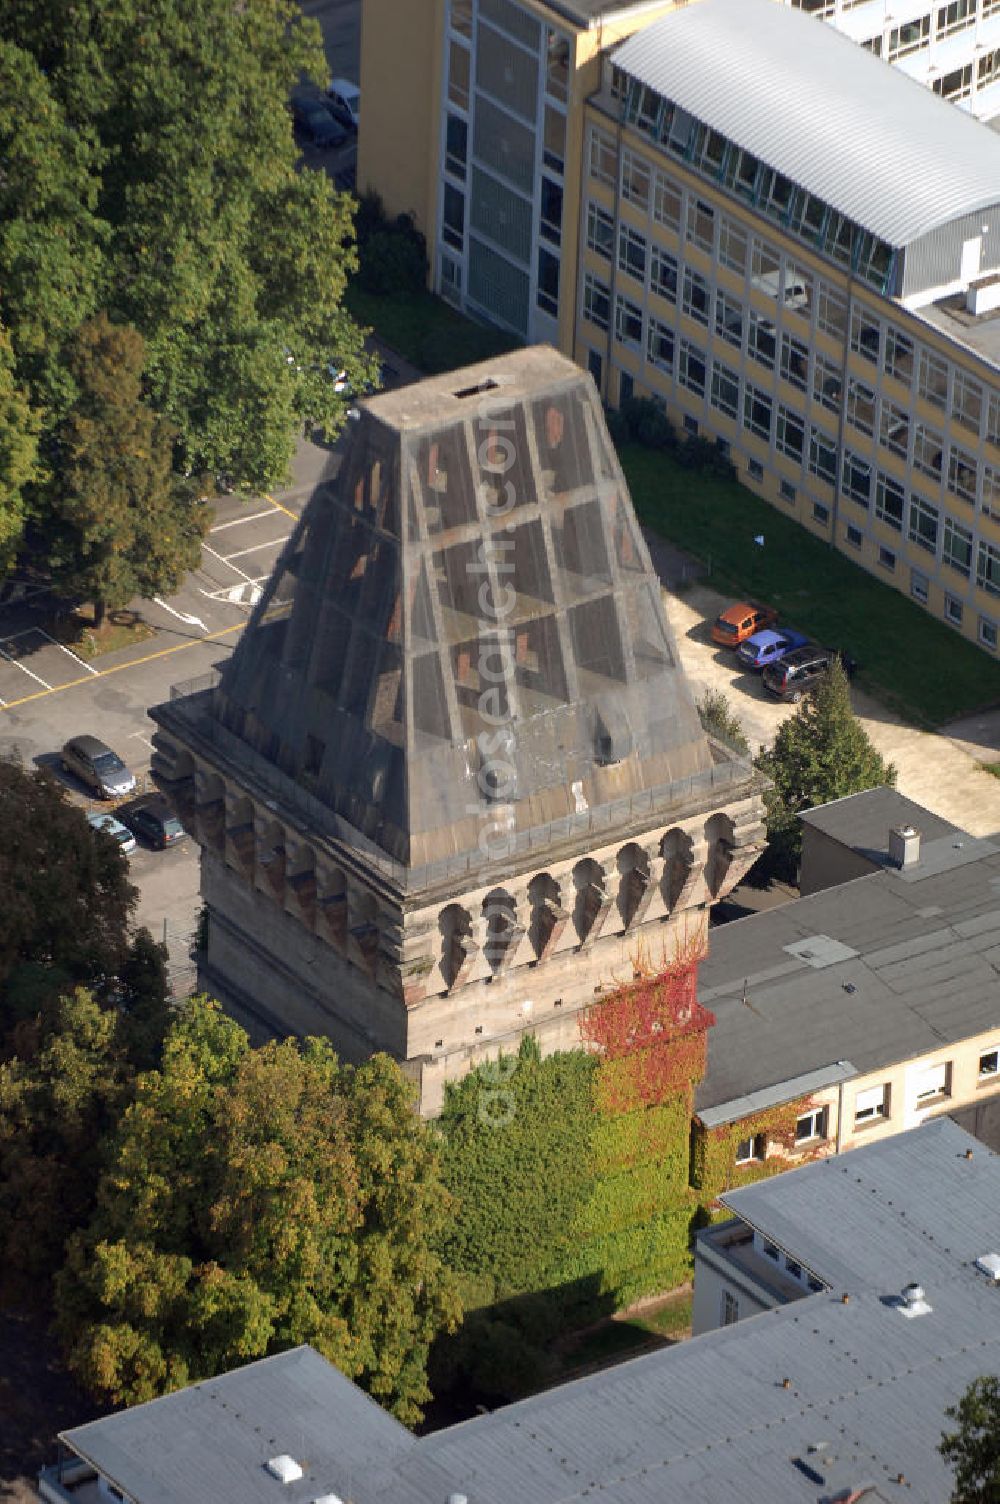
(750, 395)
(931, 1086)
(722, 162)
(891, 351)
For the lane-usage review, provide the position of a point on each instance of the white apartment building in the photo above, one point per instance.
(952, 47)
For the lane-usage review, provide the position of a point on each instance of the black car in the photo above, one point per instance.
(153, 820)
(315, 123)
(798, 672)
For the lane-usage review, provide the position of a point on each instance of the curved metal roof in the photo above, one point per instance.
(823, 111)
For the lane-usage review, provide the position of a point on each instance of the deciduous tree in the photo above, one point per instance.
(60, 1093)
(67, 900)
(974, 1448)
(822, 752)
(229, 261)
(19, 425)
(254, 1199)
(123, 524)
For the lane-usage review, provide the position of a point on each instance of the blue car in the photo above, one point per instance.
(768, 646)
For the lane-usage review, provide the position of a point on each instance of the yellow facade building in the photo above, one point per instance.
(744, 215)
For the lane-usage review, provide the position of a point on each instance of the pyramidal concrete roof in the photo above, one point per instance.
(465, 632)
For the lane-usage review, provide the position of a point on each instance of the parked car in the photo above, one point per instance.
(344, 99)
(798, 672)
(768, 646)
(100, 819)
(314, 122)
(94, 763)
(154, 821)
(740, 621)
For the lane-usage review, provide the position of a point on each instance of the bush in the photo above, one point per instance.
(702, 454)
(719, 719)
(392, 252)
(393, 263)
(643, 421)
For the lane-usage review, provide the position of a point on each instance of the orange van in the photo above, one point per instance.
(741, 621)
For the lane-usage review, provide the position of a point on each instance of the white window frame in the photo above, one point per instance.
(752, 1157)
(932, 1083)
(872, 1105)
(817, 1118)
(992, 1072)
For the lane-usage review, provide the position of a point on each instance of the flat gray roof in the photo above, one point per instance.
(863, 821)
(980, 335)
(212, 1440)
(823, 111)
(873, 971)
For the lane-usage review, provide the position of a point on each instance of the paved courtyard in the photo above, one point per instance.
(938, 769)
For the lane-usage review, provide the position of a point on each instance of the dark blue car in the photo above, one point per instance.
(769, 646)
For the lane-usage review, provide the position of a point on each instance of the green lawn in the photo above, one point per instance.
(909, 661)
(623, 1336)
(426, 331)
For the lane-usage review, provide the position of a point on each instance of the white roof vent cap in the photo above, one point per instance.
(989, 1264)
(458, 1499)
(284, 1468)
(913, 1300)
(328, 1499)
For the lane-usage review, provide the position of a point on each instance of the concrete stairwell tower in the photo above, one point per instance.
(452, 782)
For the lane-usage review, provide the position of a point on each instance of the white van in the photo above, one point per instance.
(796, 293)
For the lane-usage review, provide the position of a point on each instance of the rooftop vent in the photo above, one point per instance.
(284, 1468)
(913, 1301)
(328, 1499)
(904, 846)
(457, 1499)
(989, 1264)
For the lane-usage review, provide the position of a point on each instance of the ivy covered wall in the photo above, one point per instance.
(572, 1175)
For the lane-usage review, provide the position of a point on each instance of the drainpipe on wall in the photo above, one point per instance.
(609, 344)
(840, 1115)
(844, 375)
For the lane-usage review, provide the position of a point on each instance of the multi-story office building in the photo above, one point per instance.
(786, 241)
(478, 132)
(952, 47)
(744, 215)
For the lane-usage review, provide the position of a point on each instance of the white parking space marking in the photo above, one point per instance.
(69, 653)
(239, 521)
(271, 543)
(144, 739)
(21, 665)
(225, 562)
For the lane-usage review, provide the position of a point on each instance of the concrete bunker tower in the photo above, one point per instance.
(452, 781)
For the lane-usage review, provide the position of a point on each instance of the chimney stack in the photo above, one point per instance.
(904, 846)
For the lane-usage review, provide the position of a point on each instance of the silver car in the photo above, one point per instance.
(94, 763)
(100, 819)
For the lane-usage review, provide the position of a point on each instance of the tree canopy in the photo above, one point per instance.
(253, 1199)
(60, 1093)
(123, 524)
(150, 173)
(974, 1448)
(822, 752)
(66, 895)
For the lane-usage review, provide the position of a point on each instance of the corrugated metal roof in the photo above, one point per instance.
(810, 103)
(910, 1207)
